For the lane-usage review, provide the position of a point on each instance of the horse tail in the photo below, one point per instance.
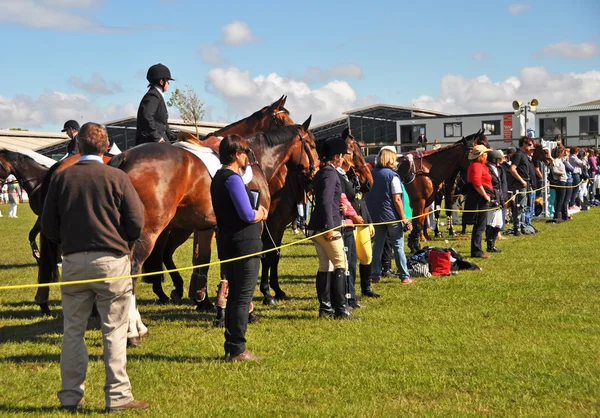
(117, 160)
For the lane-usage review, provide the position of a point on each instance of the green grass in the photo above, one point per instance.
(520, 338)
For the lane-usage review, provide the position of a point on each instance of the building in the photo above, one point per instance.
(14, 140)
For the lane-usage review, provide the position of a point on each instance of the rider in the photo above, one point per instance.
(71, 128)
(152, 117)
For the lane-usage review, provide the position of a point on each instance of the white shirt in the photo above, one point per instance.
(396, 186)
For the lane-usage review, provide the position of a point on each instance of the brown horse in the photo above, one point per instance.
(286, 194)
(272, 151)
(432, 169)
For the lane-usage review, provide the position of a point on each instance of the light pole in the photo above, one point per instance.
(522, 109)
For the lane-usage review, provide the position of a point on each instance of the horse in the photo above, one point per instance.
(30, 175)
(431, 169)
(286, 194)
(287, 148)
(270, 116)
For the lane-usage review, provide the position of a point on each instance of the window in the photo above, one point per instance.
(588, 125)
(553, 128)
(452, 130)
(491, 127)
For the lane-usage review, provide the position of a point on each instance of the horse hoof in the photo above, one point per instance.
(281, 295)
(269, 300)
(163, 301)
(205, 306)
(45, 309)
(176, 297)
(438, 235)
(133, 342)
(252, 318)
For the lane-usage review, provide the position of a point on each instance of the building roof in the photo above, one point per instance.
(577, 108)
(391, 112)
(593, 102)
(29, 140)
(204, 128)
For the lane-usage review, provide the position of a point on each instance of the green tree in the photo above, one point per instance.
(189, 105)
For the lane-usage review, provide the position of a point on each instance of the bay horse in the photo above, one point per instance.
(286, 193)
(288, 148)
(432, 169)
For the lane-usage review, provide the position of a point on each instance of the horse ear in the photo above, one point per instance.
(306, 123)
(278, 103)
(283, 102)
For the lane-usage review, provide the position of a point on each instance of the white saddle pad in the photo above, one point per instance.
(209, 158)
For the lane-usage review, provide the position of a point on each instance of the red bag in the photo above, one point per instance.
(439, 262)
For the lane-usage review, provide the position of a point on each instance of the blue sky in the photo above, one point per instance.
(86, 59)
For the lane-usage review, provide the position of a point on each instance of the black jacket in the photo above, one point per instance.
(152, 119)
(71, 146)
(327, 191)
(500, 192)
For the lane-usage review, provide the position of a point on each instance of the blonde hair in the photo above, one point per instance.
(387, 158)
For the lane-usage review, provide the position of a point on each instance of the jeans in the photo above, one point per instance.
(242, 276)
(520, 211)
(560, 205)
(530, 208)
(479, 223)
(575, 190)
(396, 235)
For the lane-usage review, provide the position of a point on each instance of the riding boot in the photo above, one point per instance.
(488, 238)
(323, 285)
(491, 240)
(338, 295)
(364, 271)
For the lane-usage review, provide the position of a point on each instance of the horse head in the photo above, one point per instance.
(542, 154)
(276, 115)
(303, 154)
(5, 166)
(406, 168)
(355, 161)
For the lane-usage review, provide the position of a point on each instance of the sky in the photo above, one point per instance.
(87, 59)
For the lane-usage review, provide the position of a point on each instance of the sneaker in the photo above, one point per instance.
(407, 281)
(247, 355)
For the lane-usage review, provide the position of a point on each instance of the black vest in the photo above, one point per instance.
(234, 236)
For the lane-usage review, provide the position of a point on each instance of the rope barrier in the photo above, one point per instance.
(213, 263)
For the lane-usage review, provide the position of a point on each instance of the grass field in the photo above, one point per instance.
(520, 338)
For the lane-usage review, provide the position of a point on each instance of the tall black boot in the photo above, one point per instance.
(364, 270)
(324, 293)
(338, 295)
(491, 241)
(488, 238)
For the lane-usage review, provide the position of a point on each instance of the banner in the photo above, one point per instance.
(507, 128)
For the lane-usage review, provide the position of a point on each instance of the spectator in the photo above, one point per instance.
(559, 181)
(385, 205)
(14, 195)
(422, 140)
(519, 169)
(578, 169)
(478, 175)
(495, 219)
(104, 218)
(436, 144)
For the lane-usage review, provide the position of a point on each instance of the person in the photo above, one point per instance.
(495, 219)
(578, 168)
(559, 180)
(479, 195)
(436, 144)
(96, 215)
(152, 117)
(422, 140)
(14, 195)
(71, 128)
(519, 170)
(327, 191)
(239, 229)
(385, 205)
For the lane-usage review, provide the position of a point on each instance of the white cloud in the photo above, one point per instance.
(96, 85)
(515, 9)
(54, 107)
(237, 33)
(52, 15)
(76, 4)
(244, 94)
(479, 56)
(318, 74)
(478, 95)
(210, 54)
(567, 49)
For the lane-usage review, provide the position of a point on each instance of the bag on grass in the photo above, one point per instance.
(439, 262)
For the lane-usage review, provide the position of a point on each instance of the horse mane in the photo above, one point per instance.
(20, 158)
(255, 115)
(277, 137)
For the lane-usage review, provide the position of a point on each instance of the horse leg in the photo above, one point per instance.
(47, 272)
(199, 281)
(35, 230)
(274, 278)
(266, 264)
(154, 264)
(176, 238)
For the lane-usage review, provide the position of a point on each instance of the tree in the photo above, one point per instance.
(189, 105)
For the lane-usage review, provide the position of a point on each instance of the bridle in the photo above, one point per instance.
(21, 180)
(278, 123)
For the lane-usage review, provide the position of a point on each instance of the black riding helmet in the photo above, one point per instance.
(333, 146)
(158, 72)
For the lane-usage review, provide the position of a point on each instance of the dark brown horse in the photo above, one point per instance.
(432, 170)
(286, 193)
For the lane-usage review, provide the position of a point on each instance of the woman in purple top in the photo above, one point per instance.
(239, 229)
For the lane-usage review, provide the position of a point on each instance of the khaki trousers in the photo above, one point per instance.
(331, 254)
(112, 300)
